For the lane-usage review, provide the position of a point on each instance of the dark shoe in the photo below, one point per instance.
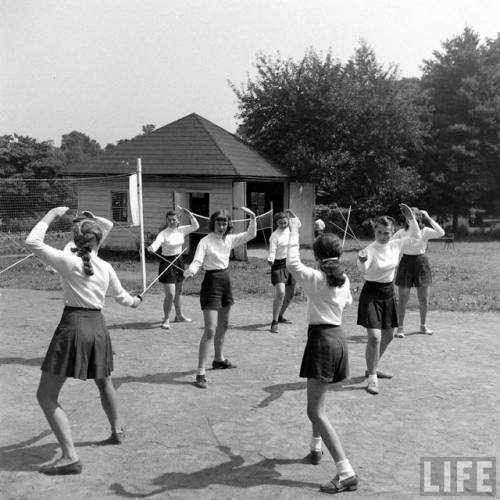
(201, 381)
(274, 328)
(315, 457)
(381, 374)
(281, 319)
(337, 486)
(62, 470)
(222, 365)
(115, 438)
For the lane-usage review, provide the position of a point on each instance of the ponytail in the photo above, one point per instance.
(87, 235)
(328, 249)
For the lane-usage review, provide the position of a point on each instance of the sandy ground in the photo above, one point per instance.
(247, 435)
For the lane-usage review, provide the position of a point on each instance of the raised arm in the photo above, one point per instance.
(300, 271)
(194, 224)
(249, 234)
(437, 231)
(35, 241)
(105, 224)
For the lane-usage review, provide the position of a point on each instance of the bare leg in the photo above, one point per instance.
(220, 332)
(109, 402)
(279, 297)
(210, 318)
(403, 296)
(168, 299)
(178, 301)
(387, 336)
(423, 300)
(289, 291)
(372, 353)
(48, 394)
(316, 394)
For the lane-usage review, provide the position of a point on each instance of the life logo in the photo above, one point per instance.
(458, 476)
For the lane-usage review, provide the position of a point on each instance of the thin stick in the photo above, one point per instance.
(161, 274)
(346, 225)
(351, 232)
(166, 260)
(16, 263)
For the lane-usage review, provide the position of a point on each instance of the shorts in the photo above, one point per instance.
(216, 291)
(174, 274)
(326, 356)
(280, 274)
(377, 307)
(414, 271)
(80, 347)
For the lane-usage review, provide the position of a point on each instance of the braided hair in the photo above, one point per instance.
(328, 249)
(87, 235)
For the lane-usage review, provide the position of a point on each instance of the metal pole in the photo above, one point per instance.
(141, 222)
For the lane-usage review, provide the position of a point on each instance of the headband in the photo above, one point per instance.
(329, 259)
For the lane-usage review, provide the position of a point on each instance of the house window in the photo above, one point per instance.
(119, 206)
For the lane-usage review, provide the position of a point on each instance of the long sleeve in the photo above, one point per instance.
(191, 228)
(249, 234)
(117, 291)
(157, 242)
(49, 255)
(199, 256)
(273, 244)
(412, 235)
(106, 226)
(436, 232)
(299, 271)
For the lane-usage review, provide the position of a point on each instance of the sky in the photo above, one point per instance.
(108, 67)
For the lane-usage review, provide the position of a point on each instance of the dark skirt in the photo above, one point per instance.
(326, 356)
(81, 346)
(280, 274)
(216, 291)
(173, 274)
(414, 271)
(377, 307)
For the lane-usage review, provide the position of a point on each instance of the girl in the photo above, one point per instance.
(377, 305)
(414, 269)
(171, 240)
(216, 297)
(81, 346)
(325, 357)
(282, 280)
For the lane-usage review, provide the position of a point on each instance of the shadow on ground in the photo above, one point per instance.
(230, 473)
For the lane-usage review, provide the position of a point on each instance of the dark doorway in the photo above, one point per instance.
(199, 203)
(261, 196)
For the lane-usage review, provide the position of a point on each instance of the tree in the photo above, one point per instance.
(28, 179)
(463, 161)
(352, 127)
(78, 147)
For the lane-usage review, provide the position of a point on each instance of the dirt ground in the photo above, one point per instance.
(247, 435)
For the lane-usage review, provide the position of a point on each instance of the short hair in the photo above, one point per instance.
(226, 215)
(87, 234)
(280, 215)
(171, 213)
(328, 249)
(384, 220)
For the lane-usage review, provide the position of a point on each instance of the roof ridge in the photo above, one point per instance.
(200, 120)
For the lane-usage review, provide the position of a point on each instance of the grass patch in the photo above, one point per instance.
(465, 278)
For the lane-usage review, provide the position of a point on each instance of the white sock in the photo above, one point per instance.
(201, 371)
(372, 378)
(344, 469)
(315, 444)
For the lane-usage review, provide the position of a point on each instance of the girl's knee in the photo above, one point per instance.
(103, 383)
(209, 332)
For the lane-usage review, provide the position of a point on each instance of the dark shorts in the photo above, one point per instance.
(326, 357)
(377, 307)
(81, 346)
(280, 274)
(216, 291)
(173, 274)
(414, 271)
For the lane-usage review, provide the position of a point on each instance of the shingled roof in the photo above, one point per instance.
(189, 147)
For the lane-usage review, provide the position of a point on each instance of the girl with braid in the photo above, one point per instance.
(81, 346)
(325, 359)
